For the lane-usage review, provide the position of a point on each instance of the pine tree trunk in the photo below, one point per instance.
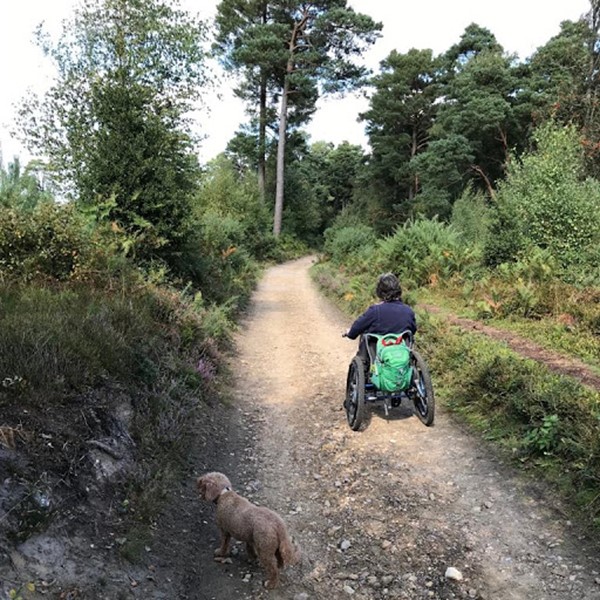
(281, 161)
(262, 137)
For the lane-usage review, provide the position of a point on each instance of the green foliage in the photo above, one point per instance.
(114, 122)
(401, 112)
(294, 54)
(342, 243)
(470, 216)
(544, 438)
(424, 251)
(233, 194)
(547, 422)
(49, 241)
(544, 202)
(22, 188)
(443, 170)
(62, 342)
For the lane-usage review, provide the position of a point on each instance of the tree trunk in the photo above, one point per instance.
(262, 136)
(281, 157)
(488, 184)
(298, 27)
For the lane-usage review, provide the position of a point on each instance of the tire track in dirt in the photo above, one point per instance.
(556, 362)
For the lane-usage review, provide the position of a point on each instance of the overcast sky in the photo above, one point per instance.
(520, 26)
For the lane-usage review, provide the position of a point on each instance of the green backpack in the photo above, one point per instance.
(391, 370)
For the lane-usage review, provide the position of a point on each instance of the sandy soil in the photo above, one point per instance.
(382, 513)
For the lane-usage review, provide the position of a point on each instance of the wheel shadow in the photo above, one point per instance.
(397, 413)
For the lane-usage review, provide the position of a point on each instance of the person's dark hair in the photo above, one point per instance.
(388, 287)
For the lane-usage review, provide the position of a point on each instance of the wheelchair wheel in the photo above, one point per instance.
(355, 394)
(422, 392)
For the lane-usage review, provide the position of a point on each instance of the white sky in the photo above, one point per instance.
(520, 26)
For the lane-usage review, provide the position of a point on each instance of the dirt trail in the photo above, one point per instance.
(382, 513)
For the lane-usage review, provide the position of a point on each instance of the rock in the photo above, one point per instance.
(453, 573)
(333, 530)
(344, 545)
(301, 596)
(349, 590)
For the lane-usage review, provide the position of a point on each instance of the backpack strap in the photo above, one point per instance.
(387, 340)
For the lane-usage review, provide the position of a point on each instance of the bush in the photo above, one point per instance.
(48, 241)
(424, 252)
(544, 202)
(344, 242)
(223, 269)
(470, 216)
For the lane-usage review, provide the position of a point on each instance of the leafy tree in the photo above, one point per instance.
(332, 174)
(557, 73)
(564, 80)
(22, 188)
(344, 165)
(114, 126)
(401, 113)
(479, 105)
(248, 41)
(442, 170)
(474, 40)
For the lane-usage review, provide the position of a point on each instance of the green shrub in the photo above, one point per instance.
(470, 217)
(545, 202)
(48, 241)
(424, 251)
(343, 242)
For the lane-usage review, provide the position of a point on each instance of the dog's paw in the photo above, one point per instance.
(270, 584)
(224, 560)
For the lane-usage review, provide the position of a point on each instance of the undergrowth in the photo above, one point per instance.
(68, 351)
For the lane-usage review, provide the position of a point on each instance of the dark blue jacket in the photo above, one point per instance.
(385, 317)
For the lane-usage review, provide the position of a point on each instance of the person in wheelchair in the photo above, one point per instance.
(390, 315)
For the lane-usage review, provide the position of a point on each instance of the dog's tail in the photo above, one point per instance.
(287, 552)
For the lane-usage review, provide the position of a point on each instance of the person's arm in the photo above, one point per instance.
(362, 323)
(413, 324)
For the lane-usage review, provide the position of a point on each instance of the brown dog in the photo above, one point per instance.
(262, 529)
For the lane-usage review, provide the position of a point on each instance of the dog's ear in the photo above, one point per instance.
(209, 488)
(201, 484)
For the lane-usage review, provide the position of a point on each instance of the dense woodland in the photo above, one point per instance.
(124, 261)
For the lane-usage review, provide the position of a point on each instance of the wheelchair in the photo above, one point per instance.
(361, 392)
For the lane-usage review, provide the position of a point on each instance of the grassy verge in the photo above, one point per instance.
(558, 334)
(134, 367)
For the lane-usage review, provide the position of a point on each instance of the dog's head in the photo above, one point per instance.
(211, 485)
